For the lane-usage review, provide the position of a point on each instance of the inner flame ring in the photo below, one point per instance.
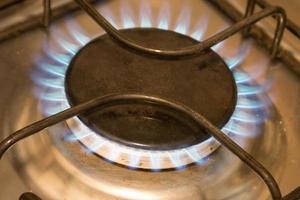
(145, 161)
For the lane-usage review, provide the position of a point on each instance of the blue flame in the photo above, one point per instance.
(53, 108)
(53, 69)
(177, 160)
(79, 136)
(49, 82)
(245, 90)
(79, 34)
(164, 17)
(65, 45)
(60, 58)
(183, 22)
(193, 153)
(155, 161)
(114, 154)
(218, 46)
(247, 103)
(239, 129)
(241, 77)
(50, 73)
(127, 16)
(246, 117)
(134, 160)
(198, 34)
(54, 96)
(145, 14)
(106, 12)
(95, 146)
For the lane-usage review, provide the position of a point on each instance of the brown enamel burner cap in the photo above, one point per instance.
(204, 83)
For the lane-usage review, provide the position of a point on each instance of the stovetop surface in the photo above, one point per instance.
(58, 169)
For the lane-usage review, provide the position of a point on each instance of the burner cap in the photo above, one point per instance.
(103, 67)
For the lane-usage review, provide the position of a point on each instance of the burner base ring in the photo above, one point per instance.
(205, 84)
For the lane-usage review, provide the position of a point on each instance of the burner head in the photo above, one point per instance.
(103, 67)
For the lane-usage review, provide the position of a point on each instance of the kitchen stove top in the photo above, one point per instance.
(54, 165)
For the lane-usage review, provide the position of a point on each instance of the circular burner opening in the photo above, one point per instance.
(146, 125)
(203, 83)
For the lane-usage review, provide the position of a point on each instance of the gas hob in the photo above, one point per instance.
(144, 138)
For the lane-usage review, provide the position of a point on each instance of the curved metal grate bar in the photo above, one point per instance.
(290, 25)
(198, 48)
(110, 100)
(47, 13)
(275, 45)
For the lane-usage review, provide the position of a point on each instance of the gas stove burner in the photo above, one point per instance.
(111, 125)
(203, 83)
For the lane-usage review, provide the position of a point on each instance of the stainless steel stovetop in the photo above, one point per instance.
(54, 167)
